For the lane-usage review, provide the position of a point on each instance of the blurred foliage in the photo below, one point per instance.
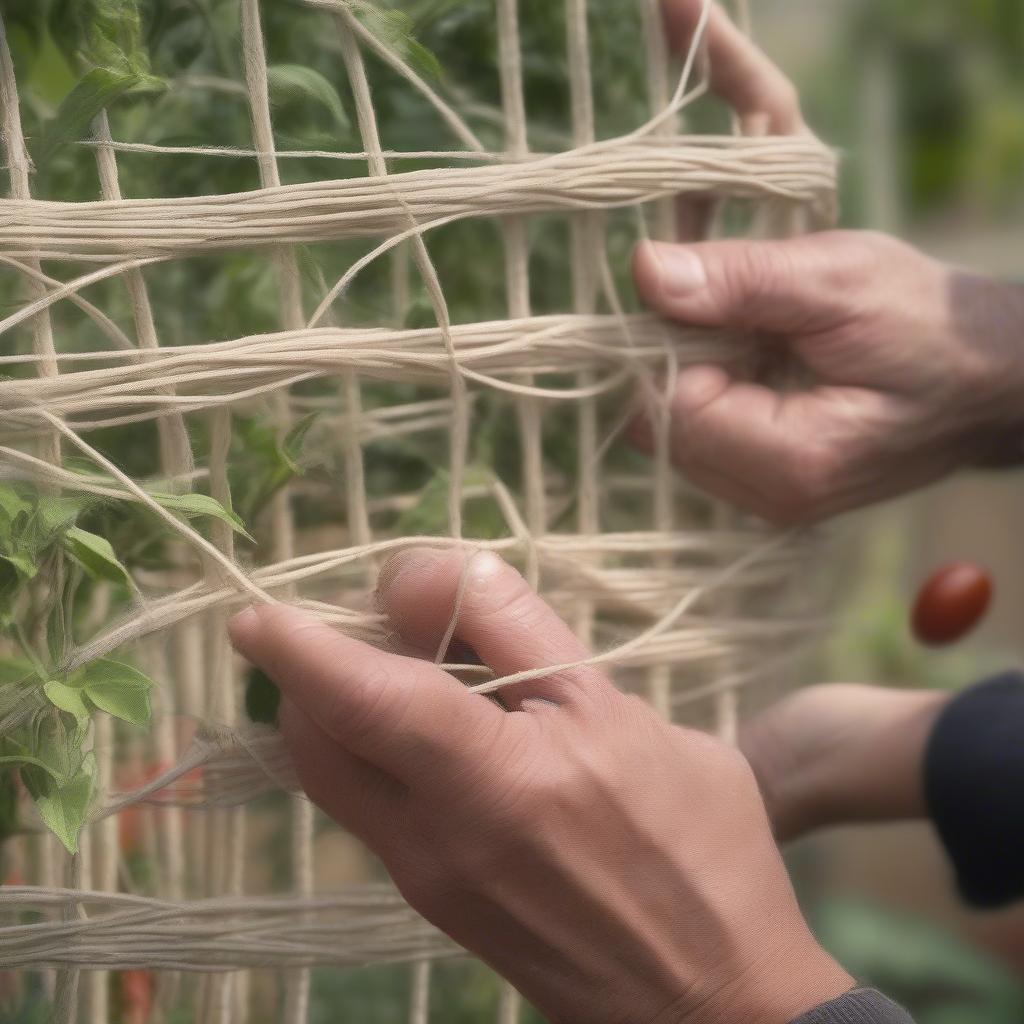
(960, 82)
(941, 979)
(955, 83)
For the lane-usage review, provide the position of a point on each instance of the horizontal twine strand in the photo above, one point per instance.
(604, 176)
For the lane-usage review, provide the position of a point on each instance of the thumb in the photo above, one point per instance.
(794, 286)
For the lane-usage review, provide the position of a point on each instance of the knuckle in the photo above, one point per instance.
(756, 274)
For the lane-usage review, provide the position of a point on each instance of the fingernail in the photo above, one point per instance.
(484, 566)
(401, 562)
(243, 623)
(680, 270)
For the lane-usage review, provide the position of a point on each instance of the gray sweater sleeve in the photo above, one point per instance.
(860, 1006)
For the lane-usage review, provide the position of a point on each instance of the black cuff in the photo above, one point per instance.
(974, 788)
(861, 1006)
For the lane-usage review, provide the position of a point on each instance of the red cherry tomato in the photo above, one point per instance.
(137, 991)
(950, 603)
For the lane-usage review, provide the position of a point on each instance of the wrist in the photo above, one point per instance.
(778, 989)
(875, 773)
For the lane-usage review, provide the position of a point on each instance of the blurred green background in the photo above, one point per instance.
(926, 100)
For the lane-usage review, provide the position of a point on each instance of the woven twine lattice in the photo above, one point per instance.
(688, 603)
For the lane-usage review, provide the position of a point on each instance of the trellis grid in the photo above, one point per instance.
(691, 607)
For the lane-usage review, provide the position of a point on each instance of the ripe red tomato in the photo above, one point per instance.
(950, 603)
(137, 990)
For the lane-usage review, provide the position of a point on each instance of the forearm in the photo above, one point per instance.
(876, 776)
(841, 753)
(844, 754)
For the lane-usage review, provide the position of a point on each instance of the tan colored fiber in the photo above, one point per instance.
(695, 607)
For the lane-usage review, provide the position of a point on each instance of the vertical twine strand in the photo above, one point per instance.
(290, 304)
(19, 166)
(587, 241)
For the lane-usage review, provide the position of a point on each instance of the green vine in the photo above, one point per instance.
(47, 560)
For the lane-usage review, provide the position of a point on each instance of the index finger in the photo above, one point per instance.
(741, 73)
(495, 613)
(403, 715)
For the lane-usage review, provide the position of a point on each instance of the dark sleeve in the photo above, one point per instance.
(861, 1006)
(974, 787)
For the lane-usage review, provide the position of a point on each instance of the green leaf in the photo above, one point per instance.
(12, 503)
(102, 33)
(52, 743)
(261, 462)
(422, 59)
(56, 513)
(64, 808)
(295, 440)
(94, 92)
(67, 698)
(482, 518)
(119, 690)
(15, 670)
(201, 505)
(288, 81)
(395, 28)
(95, 555)
(21, 565)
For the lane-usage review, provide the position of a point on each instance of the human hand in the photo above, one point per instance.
(841, 754)
(915, 370)
(763, 99)
(613, 867)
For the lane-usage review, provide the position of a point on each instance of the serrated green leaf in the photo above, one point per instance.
(95, 555)
(201, 505)
(69, 699)
(288, 81)
(94, 92)
(64, 808)
(119, 690)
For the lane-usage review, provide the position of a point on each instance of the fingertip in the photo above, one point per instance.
(646, 270)
(486, 566)
(243, 627)
(409, 562)
(260, 627)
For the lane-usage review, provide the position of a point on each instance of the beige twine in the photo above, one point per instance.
(694, 609)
